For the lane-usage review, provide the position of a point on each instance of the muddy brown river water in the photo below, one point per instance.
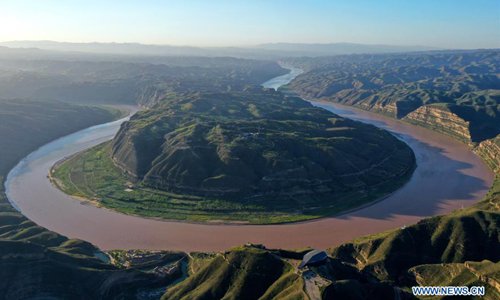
(448, 176)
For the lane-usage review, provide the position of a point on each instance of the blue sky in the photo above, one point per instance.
(439, 23)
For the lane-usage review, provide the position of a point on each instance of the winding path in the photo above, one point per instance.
(448, 177)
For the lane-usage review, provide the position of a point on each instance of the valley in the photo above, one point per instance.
(434, 230)
(250, 150)
(437, 157)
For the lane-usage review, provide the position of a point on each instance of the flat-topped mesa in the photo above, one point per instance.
(258, 147)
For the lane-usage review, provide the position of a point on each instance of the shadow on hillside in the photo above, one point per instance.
(438, 185)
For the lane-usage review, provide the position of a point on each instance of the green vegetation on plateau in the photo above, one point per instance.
(254, 156)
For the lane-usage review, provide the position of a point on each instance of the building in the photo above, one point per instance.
(313, 257)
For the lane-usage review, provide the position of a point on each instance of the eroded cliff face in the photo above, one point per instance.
(489, 150)
(441, 119)
(150, 95)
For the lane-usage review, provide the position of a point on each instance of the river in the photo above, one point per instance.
(448, 176)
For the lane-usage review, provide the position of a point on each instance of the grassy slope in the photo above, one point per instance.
(241, 273)
(253, 272)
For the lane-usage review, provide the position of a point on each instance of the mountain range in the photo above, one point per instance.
(270, 51)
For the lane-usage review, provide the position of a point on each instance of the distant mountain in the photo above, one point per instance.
(338, 48)
(269, 51)
(109, 48)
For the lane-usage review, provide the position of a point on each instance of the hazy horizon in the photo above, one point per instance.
(440, 24)
(224, 46)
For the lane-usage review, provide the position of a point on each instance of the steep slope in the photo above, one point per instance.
(472, 235)
(26, 124)
(458, 121)
(455, 93)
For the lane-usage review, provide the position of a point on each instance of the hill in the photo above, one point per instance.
(241, 273)
(38, 263)
(254, 156)
(457, 249)
(254, 272)
(453, 92)
(41, 119)
(136, 80)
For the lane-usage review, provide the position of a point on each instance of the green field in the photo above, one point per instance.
(93, 175)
